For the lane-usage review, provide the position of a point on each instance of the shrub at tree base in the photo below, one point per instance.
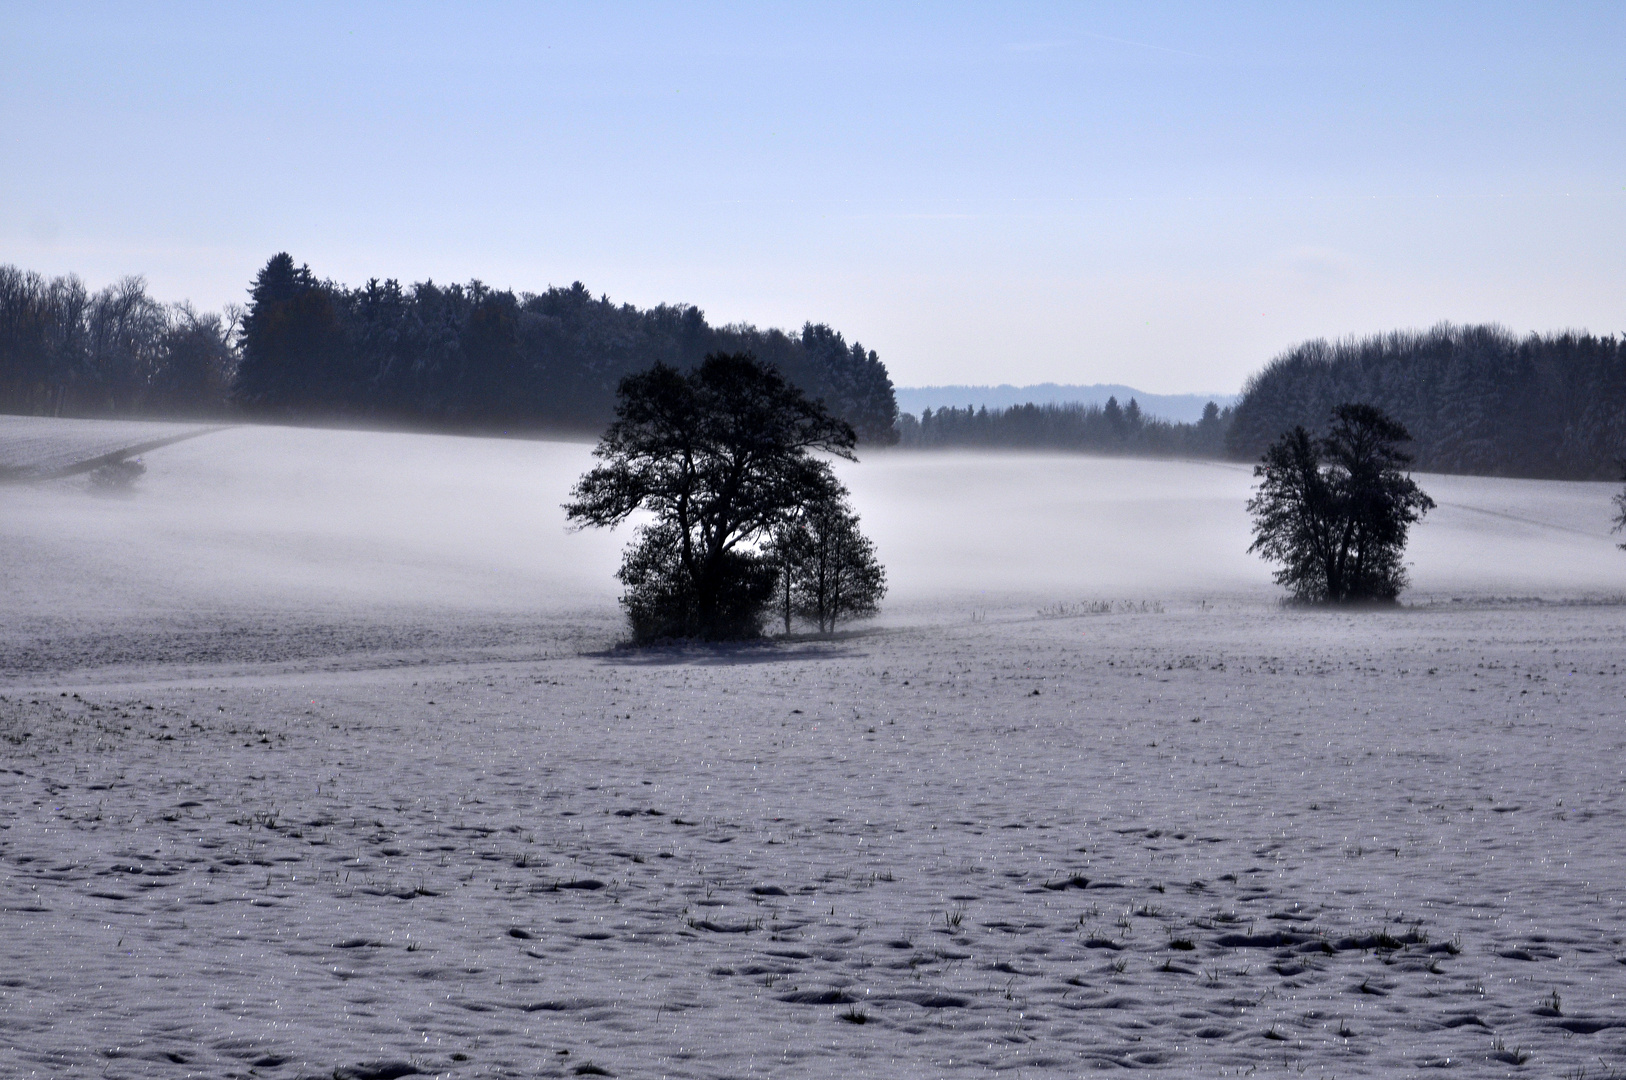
(1335, 511)
(1620, 507)
(661, 600)
(118, 476)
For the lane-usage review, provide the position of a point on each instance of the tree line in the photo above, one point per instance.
(1100, 429)
(450, 357)
(1475, 399)
(67, 351)
(470, 357)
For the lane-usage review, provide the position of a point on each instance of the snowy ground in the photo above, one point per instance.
(32, 446)
(314, 757)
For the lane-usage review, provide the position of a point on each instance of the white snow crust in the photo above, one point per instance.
(43, 445)
(317, 759)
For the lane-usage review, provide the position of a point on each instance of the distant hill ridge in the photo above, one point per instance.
(1184, 408)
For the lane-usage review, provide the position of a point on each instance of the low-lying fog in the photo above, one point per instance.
(312, 760)
(313, 520)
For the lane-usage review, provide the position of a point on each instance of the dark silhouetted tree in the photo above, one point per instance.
(1209, 436)
(720, 456)
(124, 345)
(293, 347)
(198, 367)
(827, 569)
(1620, 508)
(1335, 511)
(491, 359)
(1115, 417)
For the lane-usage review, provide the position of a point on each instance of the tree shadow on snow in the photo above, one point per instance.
(733, 653)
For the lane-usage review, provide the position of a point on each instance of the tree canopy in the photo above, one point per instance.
(1335, 511)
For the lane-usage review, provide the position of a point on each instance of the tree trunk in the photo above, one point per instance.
(787, 598)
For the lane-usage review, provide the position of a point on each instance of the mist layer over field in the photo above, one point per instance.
(285, 519)
(314, 763)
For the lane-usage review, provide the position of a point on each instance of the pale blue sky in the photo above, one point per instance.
(1158, 195)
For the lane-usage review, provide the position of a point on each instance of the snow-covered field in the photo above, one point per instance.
(314, 757)
(37, 445)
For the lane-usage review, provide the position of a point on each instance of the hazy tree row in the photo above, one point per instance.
(1475, 399)
(65, 350)
(1108, 429)
(472, 357)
